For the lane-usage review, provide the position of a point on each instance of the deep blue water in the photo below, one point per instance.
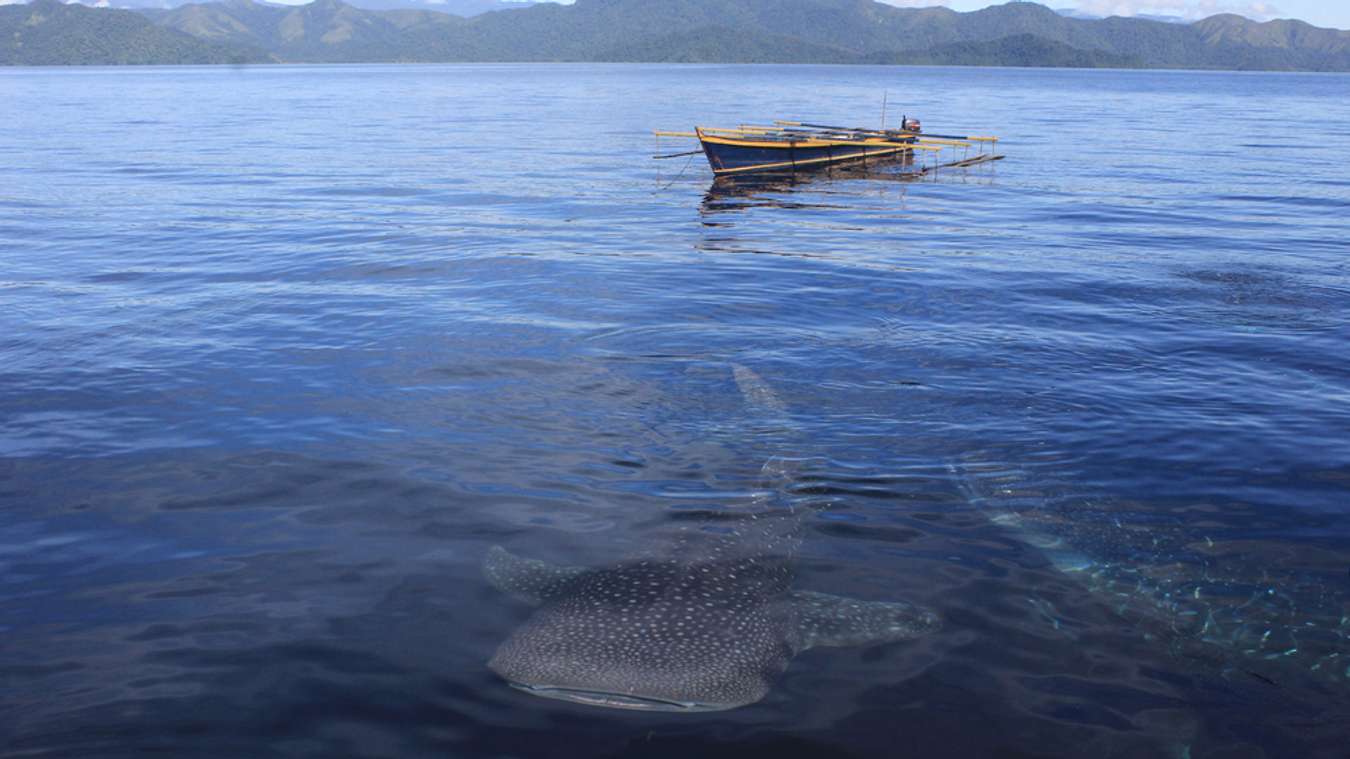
(284, 350)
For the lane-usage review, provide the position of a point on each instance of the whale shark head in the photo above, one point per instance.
(680, 636)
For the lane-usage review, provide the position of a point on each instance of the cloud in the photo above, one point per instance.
(1188, 9)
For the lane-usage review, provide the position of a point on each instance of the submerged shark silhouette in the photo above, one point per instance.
(1216, 596)
(702, 621)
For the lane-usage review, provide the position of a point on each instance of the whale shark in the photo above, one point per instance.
(702, 619)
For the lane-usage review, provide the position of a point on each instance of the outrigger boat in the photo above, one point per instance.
(789, 146)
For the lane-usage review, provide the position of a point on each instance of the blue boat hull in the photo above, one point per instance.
(727, 158)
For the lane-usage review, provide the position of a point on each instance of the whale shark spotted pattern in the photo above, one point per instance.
(701, 621)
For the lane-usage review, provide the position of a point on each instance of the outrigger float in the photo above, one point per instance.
(789, 146)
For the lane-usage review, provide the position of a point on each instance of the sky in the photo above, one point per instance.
(1332, 13)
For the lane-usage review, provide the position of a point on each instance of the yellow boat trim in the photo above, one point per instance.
(747, 142)
(745, 133)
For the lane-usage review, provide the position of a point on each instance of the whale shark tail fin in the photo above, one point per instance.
(825, 620)
(528, 580)
(771, 412)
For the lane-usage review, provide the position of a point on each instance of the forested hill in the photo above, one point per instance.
(50, 33)
(785, 31)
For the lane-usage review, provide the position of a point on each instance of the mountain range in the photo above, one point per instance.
(792, 31)
(48, 33)
(453, 7)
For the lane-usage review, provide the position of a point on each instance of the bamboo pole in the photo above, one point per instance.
(894, 132)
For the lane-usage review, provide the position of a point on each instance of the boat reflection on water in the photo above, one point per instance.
(729, 193)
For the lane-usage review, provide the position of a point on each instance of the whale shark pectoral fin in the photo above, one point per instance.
(825, 620)
(528, 580)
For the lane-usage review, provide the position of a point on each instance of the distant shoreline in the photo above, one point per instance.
(717, 32)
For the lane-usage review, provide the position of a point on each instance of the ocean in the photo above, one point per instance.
(285, 350)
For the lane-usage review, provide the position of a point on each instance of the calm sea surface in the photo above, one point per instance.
(285, 350)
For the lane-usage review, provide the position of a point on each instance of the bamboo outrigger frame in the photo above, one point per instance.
(793, 145)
